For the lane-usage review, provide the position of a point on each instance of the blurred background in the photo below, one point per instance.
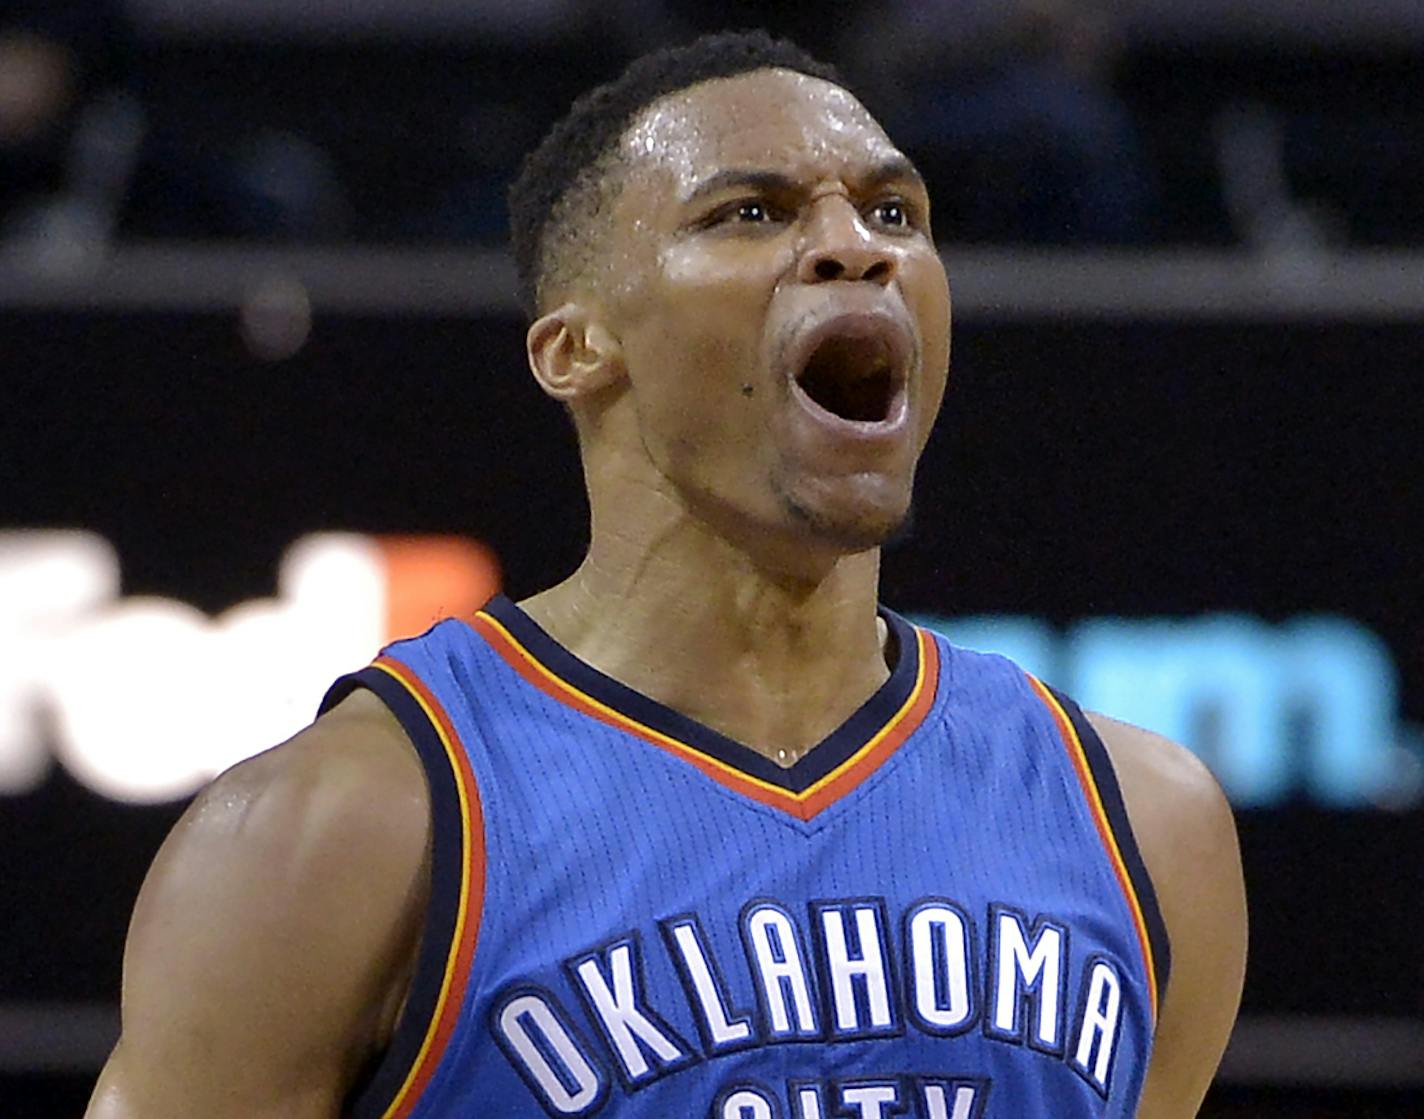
(264, 407)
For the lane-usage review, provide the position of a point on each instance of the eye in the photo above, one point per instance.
(892, 212)
(751, 213)
(756, 212)
(746, 217)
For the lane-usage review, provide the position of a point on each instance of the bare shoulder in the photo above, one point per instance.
(338, 811)
(1185, 832)
(269, 943)
(1172, 798)
(351, 778)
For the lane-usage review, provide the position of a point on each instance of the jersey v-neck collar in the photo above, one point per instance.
(826, 773)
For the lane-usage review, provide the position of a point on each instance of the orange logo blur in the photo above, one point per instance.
(434, 577)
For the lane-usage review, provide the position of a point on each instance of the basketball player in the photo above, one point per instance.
(703, 830)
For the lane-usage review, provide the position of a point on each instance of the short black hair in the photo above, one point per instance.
(559, 185)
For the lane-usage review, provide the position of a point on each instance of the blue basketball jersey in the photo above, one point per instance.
(938, 912)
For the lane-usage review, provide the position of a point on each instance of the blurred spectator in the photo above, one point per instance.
(405, 119)
(81, 155)
(816, 27)
(57, 60)
(1363, 168)
(249, 181)
(485, 157)
(1009, 108)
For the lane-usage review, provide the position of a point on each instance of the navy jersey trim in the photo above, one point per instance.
(824, 758)
(1105, 777)
(382, 1086)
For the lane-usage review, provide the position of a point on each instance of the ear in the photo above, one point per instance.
(572, 354)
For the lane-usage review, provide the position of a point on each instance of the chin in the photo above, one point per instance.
(852, 523)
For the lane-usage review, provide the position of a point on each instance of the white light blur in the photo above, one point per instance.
(282, 654)
(275, 319)
(49, 581)
(152, 698)
(136, 701)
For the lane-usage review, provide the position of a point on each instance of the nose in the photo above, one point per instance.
(839, 247)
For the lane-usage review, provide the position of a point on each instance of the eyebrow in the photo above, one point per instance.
(778, 182)
(891, 170)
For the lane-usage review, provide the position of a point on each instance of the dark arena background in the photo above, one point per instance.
(265, 407)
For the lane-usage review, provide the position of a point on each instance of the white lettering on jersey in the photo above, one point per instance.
(572, 1087)
(746, 1103)
(625, 1021)
(937, 1105)
(869, 968)
(1034, 972)
(721, 1031)
(941, 977)
(781, 973)
(870, 1100)
(1098, 1033)
(808, 1102)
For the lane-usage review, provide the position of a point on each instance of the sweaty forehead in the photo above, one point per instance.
(765, 120)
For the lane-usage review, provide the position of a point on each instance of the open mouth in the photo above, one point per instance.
(854, 378)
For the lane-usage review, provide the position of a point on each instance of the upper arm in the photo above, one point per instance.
(1187, 838)
(270, 932)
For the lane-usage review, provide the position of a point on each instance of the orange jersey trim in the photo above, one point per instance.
(461, 954)
(1089, 784)
(804, 805)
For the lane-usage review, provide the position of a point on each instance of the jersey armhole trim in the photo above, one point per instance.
(1095, 773)
(453, 915)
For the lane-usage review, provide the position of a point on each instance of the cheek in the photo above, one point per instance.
(928, 293)
(699, 384)
(695, 407)
(728, 285)
(700, 328)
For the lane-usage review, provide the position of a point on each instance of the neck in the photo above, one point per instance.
(678, 612)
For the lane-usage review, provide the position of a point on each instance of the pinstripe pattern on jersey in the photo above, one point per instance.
(845, 760)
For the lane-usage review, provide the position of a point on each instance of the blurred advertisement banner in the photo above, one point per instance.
(144, 699)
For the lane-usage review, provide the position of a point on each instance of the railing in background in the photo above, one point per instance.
(988, 285)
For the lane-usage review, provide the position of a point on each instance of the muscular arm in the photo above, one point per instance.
(1185, 833)
(270, 945)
